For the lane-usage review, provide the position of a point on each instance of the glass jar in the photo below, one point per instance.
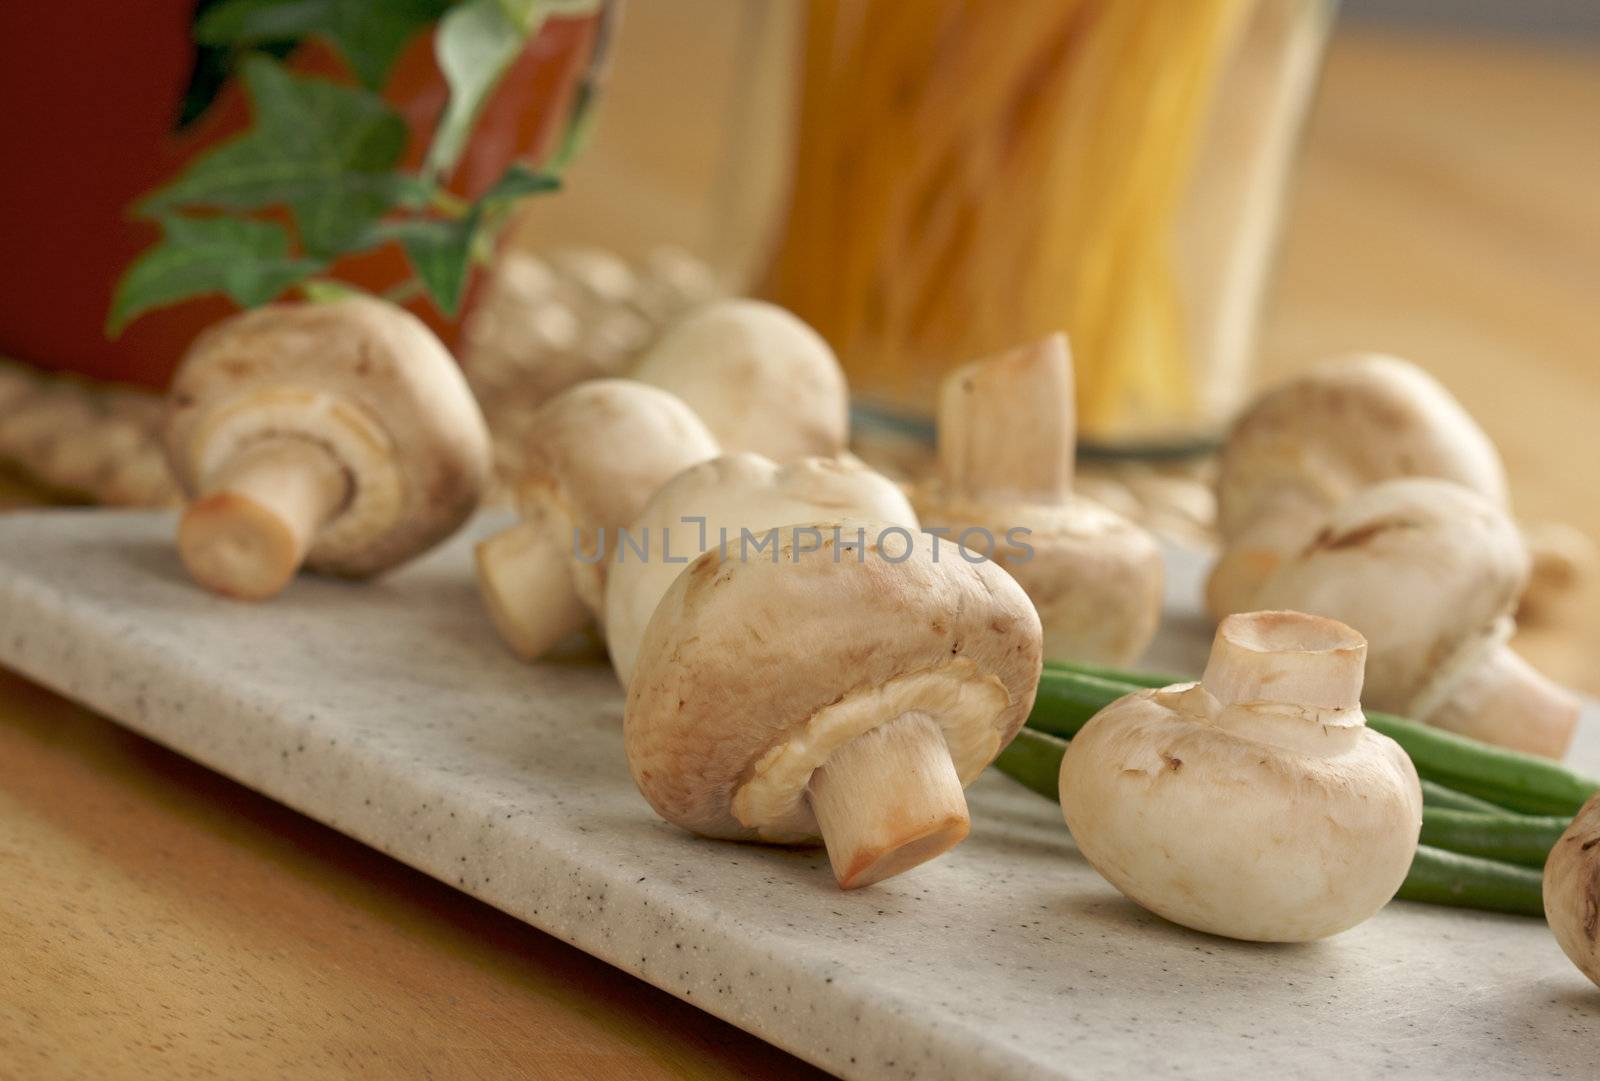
(970, 175)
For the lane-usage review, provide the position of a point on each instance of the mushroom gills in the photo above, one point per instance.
(249, 533)
(889, 800)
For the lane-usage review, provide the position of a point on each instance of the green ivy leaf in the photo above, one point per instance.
(442, 250)
(440, 253)
(327, 151)
(369, 34)
(250, 261)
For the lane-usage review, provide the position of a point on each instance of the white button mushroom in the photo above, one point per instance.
(708, 505)
(1256, 803)
(1004, 488)
(1572, 890)
(1308, 445)
(761, 379)
(339, 435)
(595, 453)
(831, 686)
(1430, 572)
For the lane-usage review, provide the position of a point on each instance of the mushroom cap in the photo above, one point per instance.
(761, 379)
(1309, 444)
(596, 453)
(731, 493)
(362, 377)
(1230, 832)
(1572, 890)
(752, 672)
(1427, 570)
(1095, 577)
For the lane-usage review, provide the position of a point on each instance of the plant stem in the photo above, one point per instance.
(448, 204)
(409, 289)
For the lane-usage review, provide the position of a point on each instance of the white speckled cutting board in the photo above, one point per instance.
(390, 712)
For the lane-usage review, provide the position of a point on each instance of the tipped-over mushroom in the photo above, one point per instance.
(1430, 572)
(1572, 890)
(1004, 489)
(842, 686)
(1256, 803)
(1310, 444)
(596, 453)
(715, 504)
(761, 379)
(337, 435)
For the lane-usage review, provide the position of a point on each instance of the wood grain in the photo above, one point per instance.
(158, 921)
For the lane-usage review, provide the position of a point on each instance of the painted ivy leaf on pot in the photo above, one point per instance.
(248, 261)
(475, 46)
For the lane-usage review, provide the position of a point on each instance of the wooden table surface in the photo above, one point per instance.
(159, 921)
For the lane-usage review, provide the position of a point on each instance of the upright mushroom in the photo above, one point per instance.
(1256, 803)
(1430, 572)
(1572, 890)
(833, 686)
(595, 453)
(1004, 488)
(761, 379)
(338, 435)
(1302, 449)
(719, 502)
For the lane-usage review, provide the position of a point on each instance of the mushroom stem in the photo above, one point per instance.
(1286, 658)
(1006, 425)
(528, 589)
(1505, 701)
(248, 534)
(1258, 548)
(889, 800)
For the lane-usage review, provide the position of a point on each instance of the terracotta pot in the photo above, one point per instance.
(92, 91)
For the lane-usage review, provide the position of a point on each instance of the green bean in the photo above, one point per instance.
(1066, 701)
(1435, 794)
(1524, 839)
(1522, 782)
(1115, 675)
(1450, 878)
(1034, 760)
